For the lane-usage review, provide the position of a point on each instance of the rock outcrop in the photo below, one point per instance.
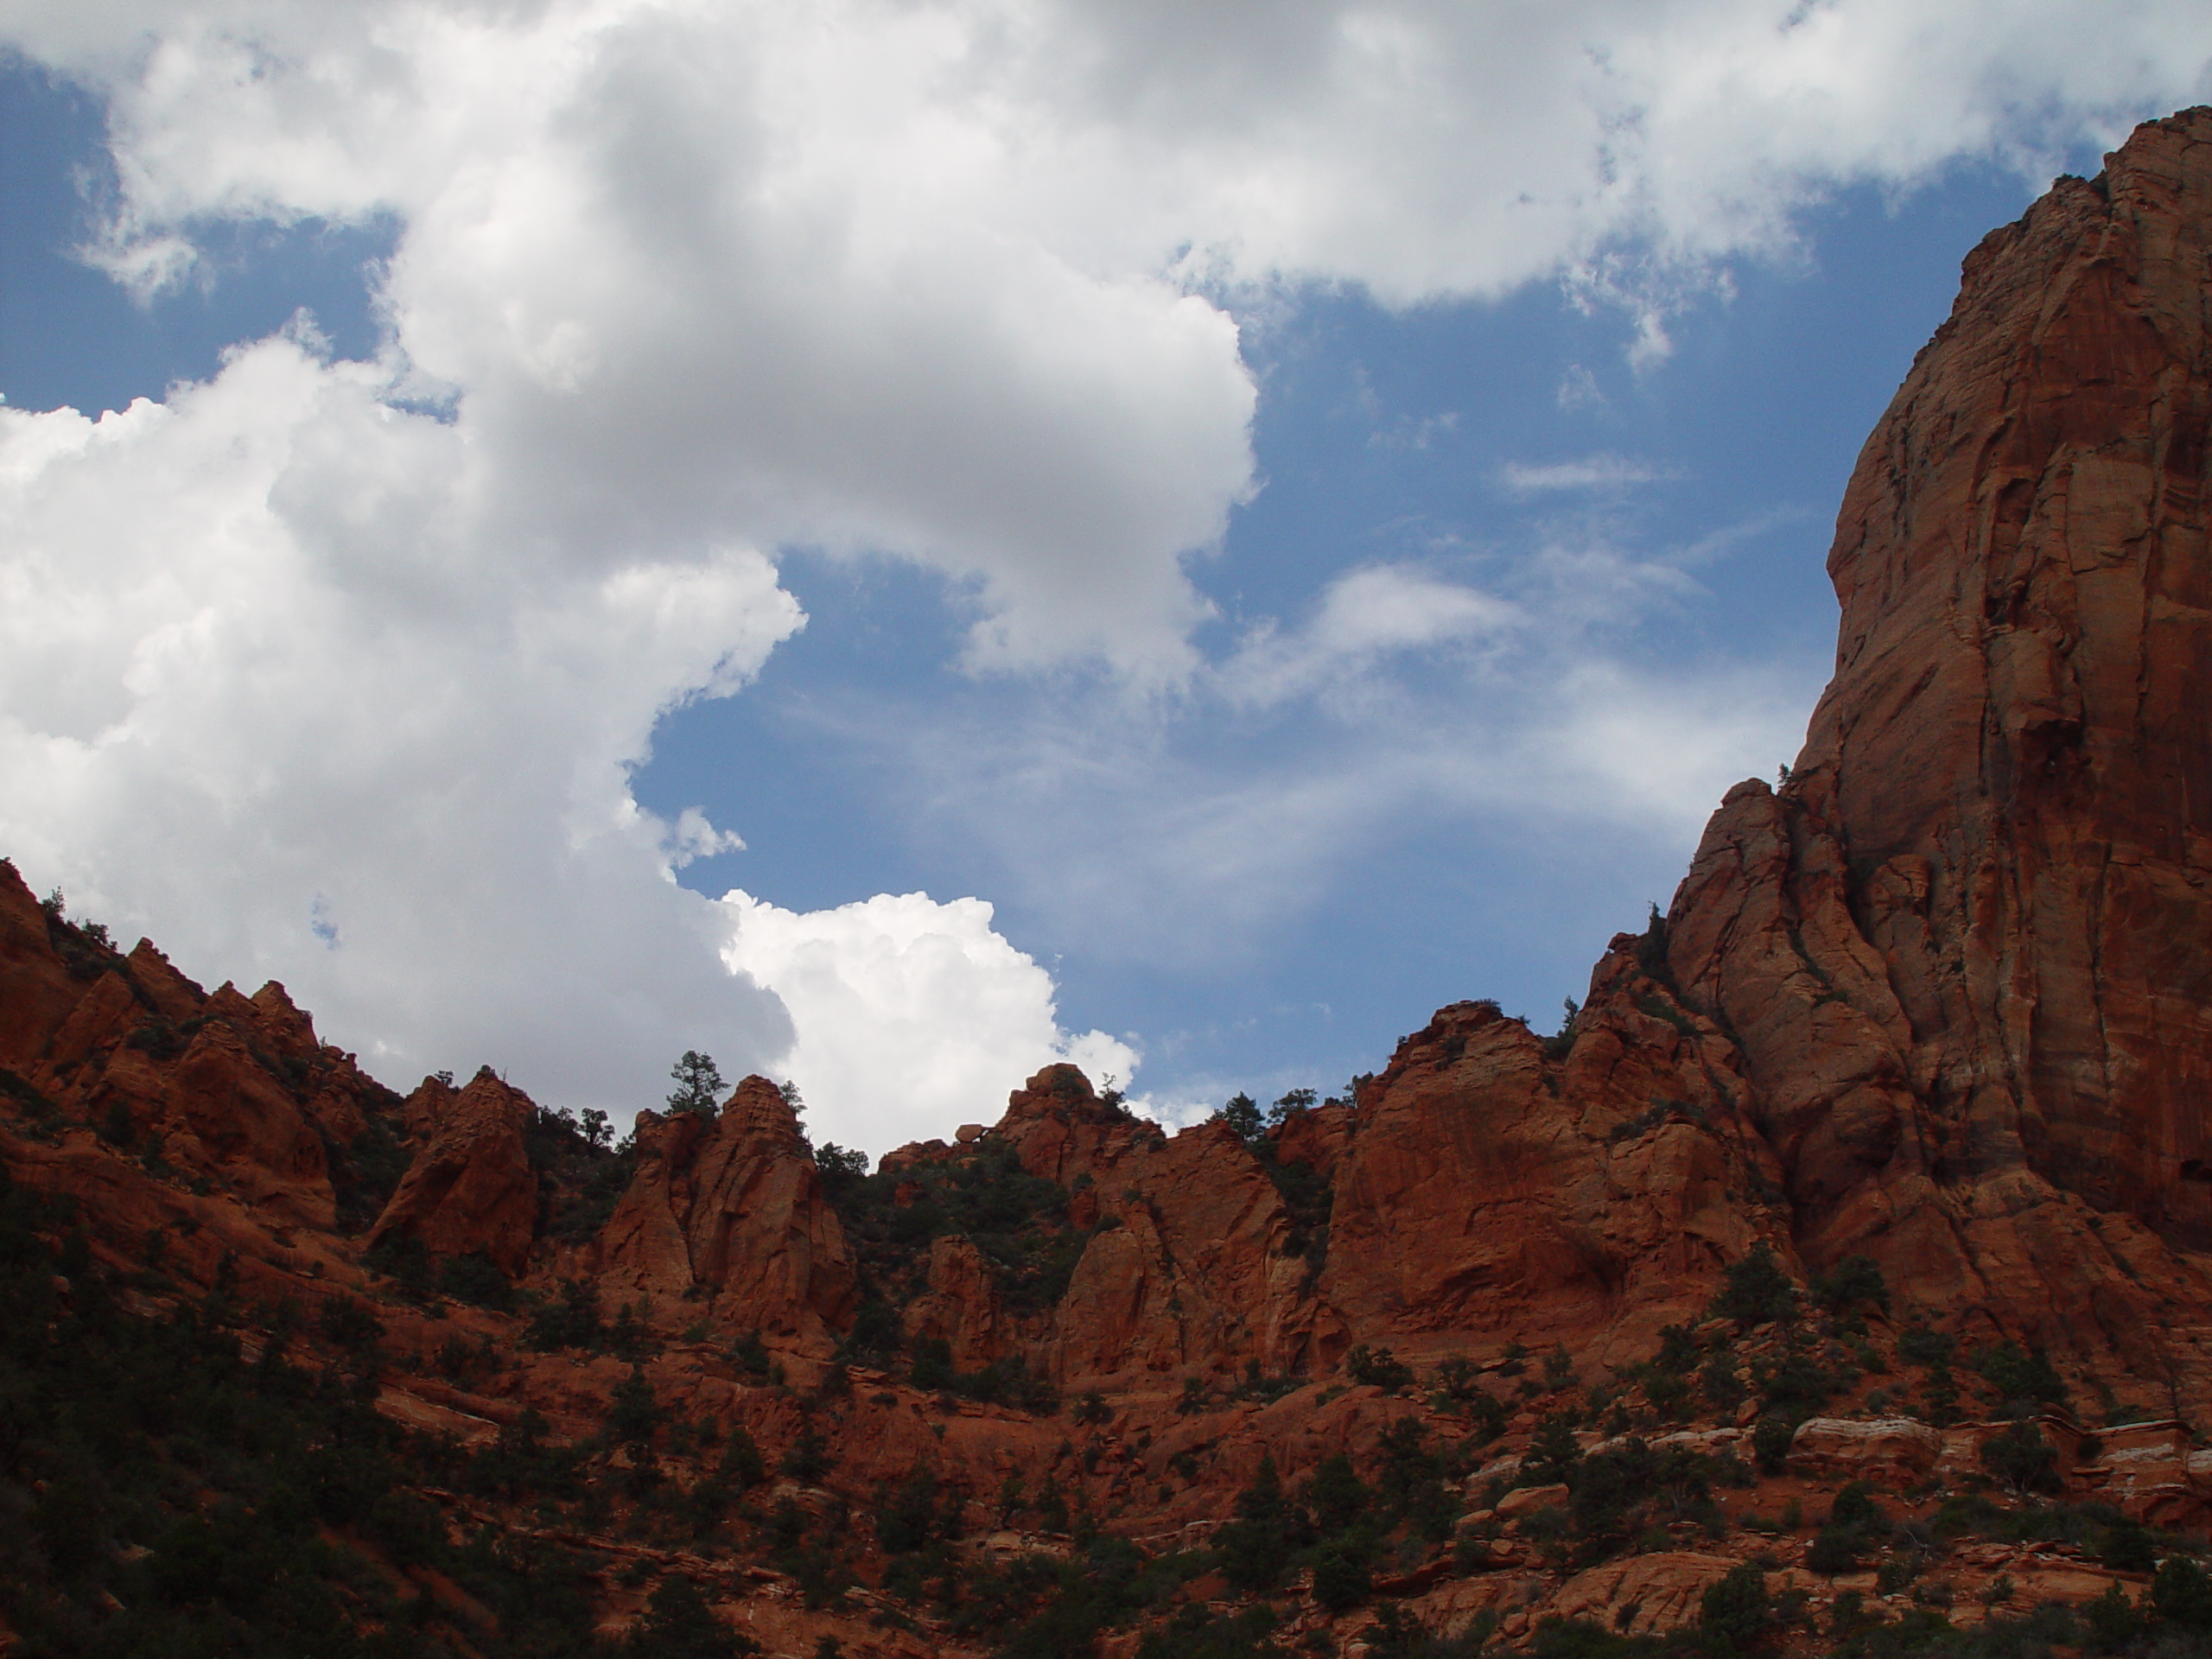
(235, 1092)
(1592, 1196)
(471, 1191)
(725, 1217)
(1894, 1452)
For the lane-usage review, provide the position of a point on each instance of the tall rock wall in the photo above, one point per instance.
(1967, 950)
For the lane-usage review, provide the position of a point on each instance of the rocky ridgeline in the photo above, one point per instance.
(1837, 1279)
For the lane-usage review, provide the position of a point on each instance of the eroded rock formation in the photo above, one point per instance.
(726, 1217)
(1967, 952)
(471, 1191)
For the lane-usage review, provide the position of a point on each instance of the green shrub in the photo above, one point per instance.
(742, 1465)
(698, 1084)
(1755, 1290)
(633, 1412)
(1253, 1549)
(473, 1279)
(1554, 1453)
(907, 1516)
(569, 1319)
(2114, 1621)
(807, 1459)
(1668, 1394)
(2126, 1547)
(750, 1355)
(678, 1624)
(1379, 1367)
(1919, 1345)
(1853, 1528)
(1854, 1279)
(353, 1325)
(1770, 1438)
(2022, 1459)
(1734, 1613)
(1019, 1222)
(1721, 1383)
(1559, 1369)
(2021, 1375)
(2183, 1594)
(1341, 1578)
(1003, 1382)
(1336, 1494)
(1242, 1114)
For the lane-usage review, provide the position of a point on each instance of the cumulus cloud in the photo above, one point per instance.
(913, 1015)
(339, 671)
(271, 691)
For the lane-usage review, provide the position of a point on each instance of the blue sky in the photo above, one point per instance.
(1179, 539)
(1381, 437)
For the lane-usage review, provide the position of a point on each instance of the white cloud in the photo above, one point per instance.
(913, 1015)
(276, 692)
(1366, 615)
(1578, 389)
(272, 691)
(1590, 472)
(691, 838)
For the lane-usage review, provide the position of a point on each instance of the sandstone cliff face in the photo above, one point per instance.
(36, 991)
(961, 1308)
(1967, 951)
(1192, 1269)
(1060, 1129)
(727, 1218)
(471, 1191)
(1591, 1196)
(1190, 1265)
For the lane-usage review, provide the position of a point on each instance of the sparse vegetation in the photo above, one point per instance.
(1755, 1290)
(1017, 1221)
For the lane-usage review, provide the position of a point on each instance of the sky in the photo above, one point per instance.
(894, 542)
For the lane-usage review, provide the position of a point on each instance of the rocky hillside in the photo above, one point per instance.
(1836, 1281)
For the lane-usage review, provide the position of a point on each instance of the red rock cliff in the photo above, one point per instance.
(725, 1217)
(1967, 950)
(471, 1191)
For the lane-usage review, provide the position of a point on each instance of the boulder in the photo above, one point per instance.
(1892, 1452)
(1524, 1500)
(2152, 1471)
(1642, 1595)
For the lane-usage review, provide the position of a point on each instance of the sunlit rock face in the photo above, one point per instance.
(1966, 949)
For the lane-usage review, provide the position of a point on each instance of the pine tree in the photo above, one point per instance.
(698, 1084)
